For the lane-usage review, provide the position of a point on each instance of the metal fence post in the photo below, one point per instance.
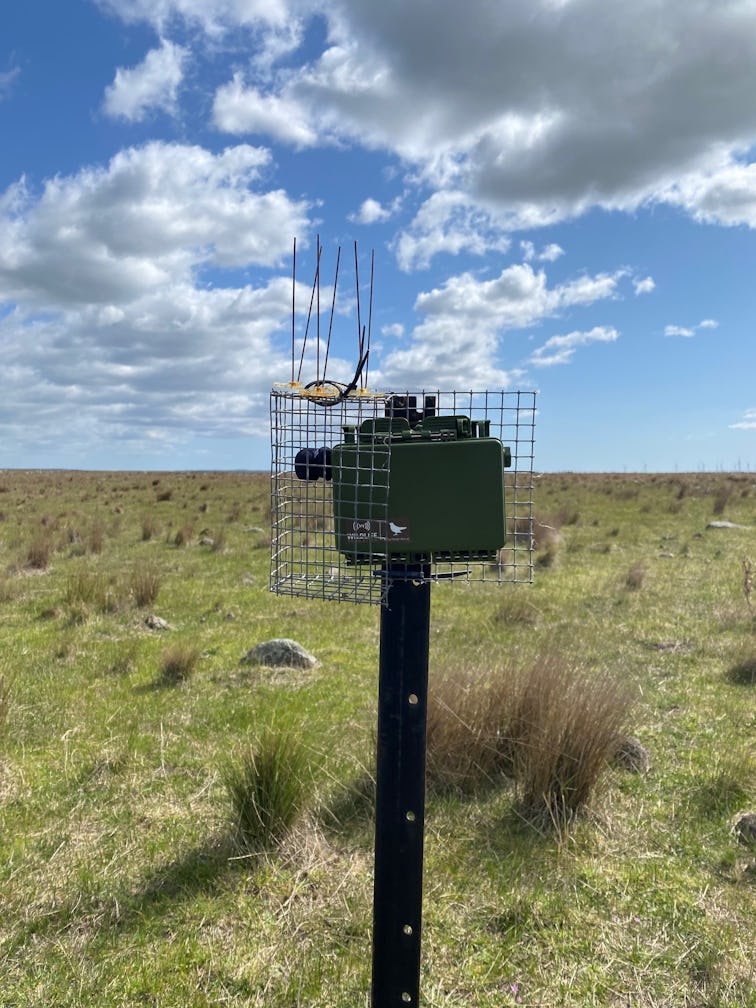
(400, 788)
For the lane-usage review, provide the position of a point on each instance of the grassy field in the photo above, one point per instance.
(122, 878)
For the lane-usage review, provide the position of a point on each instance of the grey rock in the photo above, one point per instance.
(207, 541)
(280, 653)
(156, 623)
(745, 828)
(631, 755)
(725, 525)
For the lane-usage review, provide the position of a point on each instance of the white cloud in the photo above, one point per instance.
(747, 423)
(108, 330)
(213, 16)
(561, 349)
(549, 253)
(644, 285)
(689, 331)
(393, 331)
(7, 79)
(458, 340)
(448, 223)
(676, 330)
(242, 110)
(151, 217)
(528, 250)
(570, 106)
(153, 84)
(371, 212)
(724, 195)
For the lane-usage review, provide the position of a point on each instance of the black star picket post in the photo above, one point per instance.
(400, 788)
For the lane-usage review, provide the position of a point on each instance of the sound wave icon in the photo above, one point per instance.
(364, 526)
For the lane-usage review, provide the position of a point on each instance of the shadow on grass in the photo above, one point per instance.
(204, 869)
(350, 812)
(198, 871)
(743, 673)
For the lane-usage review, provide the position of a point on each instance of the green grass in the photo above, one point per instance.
(266, 786)
(122, 879)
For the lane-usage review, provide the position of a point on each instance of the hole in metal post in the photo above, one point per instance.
(407, 929)
(413, 699)
(410, 816)
(406, 997)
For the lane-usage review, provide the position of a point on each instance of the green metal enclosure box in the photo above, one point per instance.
(434, 490)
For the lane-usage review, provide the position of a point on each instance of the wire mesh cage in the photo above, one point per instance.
(369, 485)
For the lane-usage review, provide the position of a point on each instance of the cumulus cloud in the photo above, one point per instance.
(448, 222)
(549, 253)
(571, 105)
(241, 110)
(103, 315)
(151, 216)
(688, 332)
(644, 285)
(458, 341)
(537, 130)
(152, 85)
(725, 195)
(371, 211)
(561, 349)
(747, 423)
(213, 16)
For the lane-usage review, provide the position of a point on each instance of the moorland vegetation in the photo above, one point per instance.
(179, 828)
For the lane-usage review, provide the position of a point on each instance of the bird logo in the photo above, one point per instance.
(397, 529)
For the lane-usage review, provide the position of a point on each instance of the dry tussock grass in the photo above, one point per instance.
(563, 735)
(550, 725)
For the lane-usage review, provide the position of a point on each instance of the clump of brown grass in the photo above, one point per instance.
(145, 585)
(550, 725)
(184, 535)
(635, 577)
(150, 527)
(95, 539)
(721, 499)
(164, 495)
(39, 550)
(177, 663)
(562, 736)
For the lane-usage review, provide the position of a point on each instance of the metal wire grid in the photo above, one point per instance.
(304, 558)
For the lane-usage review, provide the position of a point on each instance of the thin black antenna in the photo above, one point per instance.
(333, 306)
(317, 332)
(309, 314)
(293, 296)
(360, 334)
(370, 316)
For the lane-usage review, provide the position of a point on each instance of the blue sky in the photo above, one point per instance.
(560, 194)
